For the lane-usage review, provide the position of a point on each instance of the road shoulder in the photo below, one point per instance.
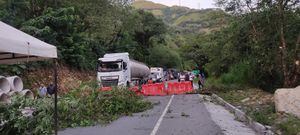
(225, 120)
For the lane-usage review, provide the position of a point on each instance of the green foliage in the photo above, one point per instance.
(247, 50)
(83, 31)
(266, 115)
(15, 123)
(63, 27)
(84, 106)
(240, 73)
(163, 56)
(12, 69)
(195, 49)
(291, 126)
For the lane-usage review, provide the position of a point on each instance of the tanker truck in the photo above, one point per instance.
(116, 69)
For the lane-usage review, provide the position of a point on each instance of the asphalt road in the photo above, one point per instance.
(173, 115)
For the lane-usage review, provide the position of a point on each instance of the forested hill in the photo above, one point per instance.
(184, 19)
(258, 47)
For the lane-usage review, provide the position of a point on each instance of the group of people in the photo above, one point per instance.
(185, 76)
(190, 76)
(44, 91)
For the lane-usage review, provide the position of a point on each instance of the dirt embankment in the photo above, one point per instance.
(68, 78)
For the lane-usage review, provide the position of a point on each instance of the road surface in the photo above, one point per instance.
(172, 115)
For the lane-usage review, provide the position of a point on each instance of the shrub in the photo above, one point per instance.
(84, 106)
(240, 73)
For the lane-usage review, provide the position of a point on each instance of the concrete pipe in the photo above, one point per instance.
(4, 85)
(27, 94)
(16, 83)
(4, 98)
(13, 93)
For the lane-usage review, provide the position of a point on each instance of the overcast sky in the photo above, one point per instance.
(188, 3)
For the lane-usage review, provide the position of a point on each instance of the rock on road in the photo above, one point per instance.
(173, 115)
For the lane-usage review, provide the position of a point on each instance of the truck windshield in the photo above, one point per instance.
(109, 66)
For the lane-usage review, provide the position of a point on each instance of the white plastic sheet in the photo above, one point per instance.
(17, 46)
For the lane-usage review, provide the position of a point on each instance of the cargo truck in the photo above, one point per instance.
(116, 69)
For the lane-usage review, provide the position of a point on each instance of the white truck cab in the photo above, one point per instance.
(157, 74)
(116, 69)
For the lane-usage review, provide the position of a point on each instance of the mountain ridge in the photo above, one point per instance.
(184, 19)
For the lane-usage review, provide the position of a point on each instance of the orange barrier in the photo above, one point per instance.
(189, 86)
(157, 89)
(145, 90)
(160, 89)
(182, 88)
(179, 87)
(172, 88)
(105, 88)
(134, 88)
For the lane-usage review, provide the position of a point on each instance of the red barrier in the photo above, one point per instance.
(157, 89)
(189, 86)
(160, 89)
(134, 88)
(171, 88)
(145, 90)
(179, 87)
(182, 88)
(105, 88)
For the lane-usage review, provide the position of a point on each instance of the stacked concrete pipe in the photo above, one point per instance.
(27, 94)
(11, 86)
(13, 93)
(4, 85)
(4, 98)
(16, 83)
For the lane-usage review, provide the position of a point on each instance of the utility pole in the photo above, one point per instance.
(179, 4)
(198, 5)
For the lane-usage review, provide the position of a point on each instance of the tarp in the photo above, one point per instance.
(17, 46)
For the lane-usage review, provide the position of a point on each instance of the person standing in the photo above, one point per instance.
(200, 81)
(201, 77)
(187, 77)
(191, 78)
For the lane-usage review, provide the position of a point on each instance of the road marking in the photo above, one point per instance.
(155, 129)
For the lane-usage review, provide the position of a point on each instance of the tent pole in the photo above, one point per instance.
(55, 96)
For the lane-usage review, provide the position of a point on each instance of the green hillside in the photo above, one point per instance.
(185, 19)
(142, 4)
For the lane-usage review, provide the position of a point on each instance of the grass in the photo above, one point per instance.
(233, 97)
(263, 113)
(189, 17)
(157, 12)
(147, 5)
(290, 126)
(218, 86)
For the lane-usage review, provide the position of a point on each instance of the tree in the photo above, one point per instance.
(270, 21)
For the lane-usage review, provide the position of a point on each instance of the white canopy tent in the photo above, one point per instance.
(17, 46)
